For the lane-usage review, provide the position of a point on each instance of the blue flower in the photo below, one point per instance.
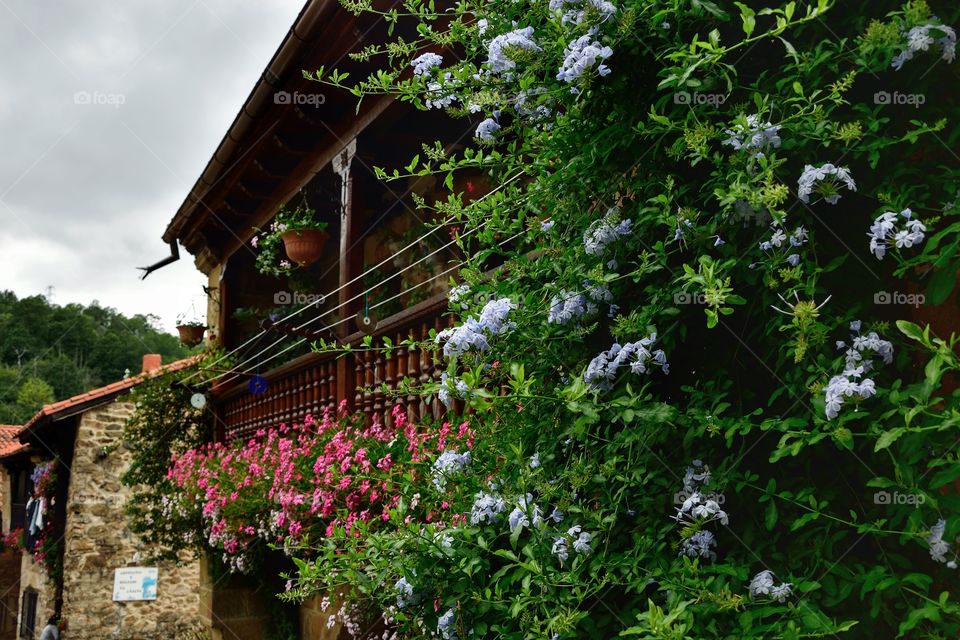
(581, 55)
(498, 59)
(752, 133)
(475, 332)
(425, 63)
(604, 232)
(447, 625)
(487, 130)
(449, 463)
(834, 175)
(486, 508)
(639, 355)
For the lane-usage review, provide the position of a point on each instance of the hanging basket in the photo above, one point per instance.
(304, 246)
(191, 334)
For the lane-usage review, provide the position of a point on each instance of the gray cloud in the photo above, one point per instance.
(108, 113)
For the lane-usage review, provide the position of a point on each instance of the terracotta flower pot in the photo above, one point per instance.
(304, 246)
(191, 334)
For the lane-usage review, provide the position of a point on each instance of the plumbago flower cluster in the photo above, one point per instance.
(715, 167)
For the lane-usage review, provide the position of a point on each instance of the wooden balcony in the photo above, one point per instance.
(318, 380)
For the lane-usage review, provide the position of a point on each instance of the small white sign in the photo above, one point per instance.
(135, 583)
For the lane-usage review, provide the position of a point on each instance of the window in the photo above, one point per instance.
(20, 490)
(28, 614)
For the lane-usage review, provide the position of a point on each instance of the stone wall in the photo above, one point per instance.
(34, 576)
(5, 499)
(98, 541)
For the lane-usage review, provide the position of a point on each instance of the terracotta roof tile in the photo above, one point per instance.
(8, 439)
(106, 392)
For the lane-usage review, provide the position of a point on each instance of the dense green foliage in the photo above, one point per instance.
(164, 425)
(705, 398)
(765, 155)
(50, 352)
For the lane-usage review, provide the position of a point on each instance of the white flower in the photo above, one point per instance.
(449, 463)
(582, 543)
(762, 583)
(938, 547)
(884, 230)
(535, 461)
(486, 508)
(423, 64)
(497, 51)
(581, 55)
(922, 37)
(781, 592)
(811, 176)
(559, 548)
(753, 134)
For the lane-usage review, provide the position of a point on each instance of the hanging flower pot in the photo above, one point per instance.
(304, 246)
(301, 233)
(191, 334)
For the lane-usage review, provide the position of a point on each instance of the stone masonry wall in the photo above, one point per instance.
(34, 576)
(98, 541)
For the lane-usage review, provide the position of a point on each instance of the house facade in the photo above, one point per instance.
(385, 271)
(69, 459)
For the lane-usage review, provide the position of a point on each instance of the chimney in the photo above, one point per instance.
(151, 362)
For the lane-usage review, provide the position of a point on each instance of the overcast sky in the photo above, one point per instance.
(109, 111)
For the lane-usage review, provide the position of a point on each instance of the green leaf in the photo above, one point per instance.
(844, 438)
(888, 438)
(770, 517)
(748, 17)
(942, 283)
(911, 330)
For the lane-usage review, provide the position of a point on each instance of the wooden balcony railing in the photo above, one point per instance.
(315, 381)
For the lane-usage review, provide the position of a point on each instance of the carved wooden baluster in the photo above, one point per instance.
(379, 372)
(290, 399)
(305, 395)
(368, 360)
(332, 385)
(321, 389)
(413, 376)
(393, 365)
(426, 370)
(310, 390)
(358, 380)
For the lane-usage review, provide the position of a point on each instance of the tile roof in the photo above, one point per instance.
(105, 393)
(8, 439)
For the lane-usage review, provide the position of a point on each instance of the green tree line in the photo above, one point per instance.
(49, 352)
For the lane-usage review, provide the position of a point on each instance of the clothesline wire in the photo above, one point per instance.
(354, 298)
(355, 279)
(236, 374)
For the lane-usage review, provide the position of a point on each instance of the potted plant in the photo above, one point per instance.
(191, 331)
(302, 235)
